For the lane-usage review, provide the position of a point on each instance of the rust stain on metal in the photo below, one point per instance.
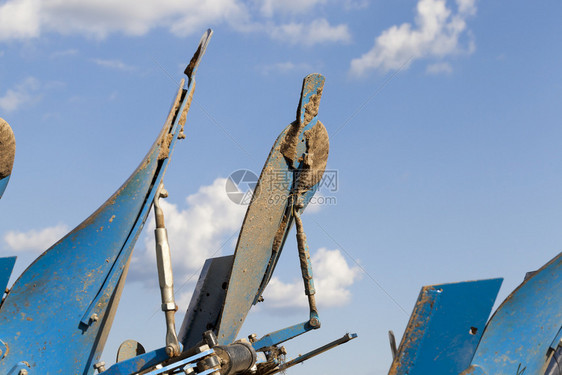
(414, 331)
(183, 117)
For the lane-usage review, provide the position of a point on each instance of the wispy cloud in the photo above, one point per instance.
(285, 67)
(25, 19)
(332, 279)
(439, 68)
(65, 53)
(318, 31)
(271, 7)
(34, 240)
(22, 94)
(114, 64)
(436, 33)
(22, 19)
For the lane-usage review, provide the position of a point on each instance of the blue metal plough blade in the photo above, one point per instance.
(6, 267)
(58, 313)
(521, 335)
(445, 327)
(270, 214)
(7, 153)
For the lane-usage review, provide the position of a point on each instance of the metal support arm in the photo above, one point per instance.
(165, 275)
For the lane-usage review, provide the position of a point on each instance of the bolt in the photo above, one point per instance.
(253, 337)
(282, 350)
(94, 317)
(170, 351)
(100, 366)
(202, 348)
(23, 372)
(314, 323)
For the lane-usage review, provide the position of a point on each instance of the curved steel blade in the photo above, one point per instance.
(59, 312)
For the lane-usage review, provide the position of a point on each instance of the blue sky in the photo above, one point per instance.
(444, 119)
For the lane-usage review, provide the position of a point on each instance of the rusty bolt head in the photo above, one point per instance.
(202, 348)
(100, 366)
(170, 351)
(253, 337)
(314, 322)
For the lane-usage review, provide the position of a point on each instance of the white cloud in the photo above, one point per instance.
(207, 227)
(271, 7)
(20, 19)
(20, 95)
(35, 240)
(467, 6)
(195, 233)
(438, 68)
(316, 32)
(64, 53)
(97, 18)
(332, 279)
(355, 4)
(436, 34)
(285, 67)
(114, 64)
(24, 19)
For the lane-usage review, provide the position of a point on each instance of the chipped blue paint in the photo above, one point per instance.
(445, 327)
(285, 334)
(518, 338)
(138, 363)
(82, 275)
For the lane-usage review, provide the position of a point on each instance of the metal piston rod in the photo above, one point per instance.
(306, 269)
(165, 275)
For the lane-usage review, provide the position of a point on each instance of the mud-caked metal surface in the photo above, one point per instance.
(57, 315)
(7, 154)
(301, 148)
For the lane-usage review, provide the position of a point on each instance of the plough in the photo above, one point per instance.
(56, 317)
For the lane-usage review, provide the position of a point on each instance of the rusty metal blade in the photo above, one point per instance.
(269, 215)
